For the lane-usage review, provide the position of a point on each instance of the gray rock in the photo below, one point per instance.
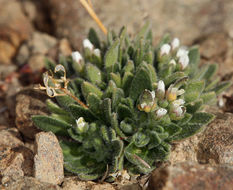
(185, 19)
(29, 102)
(22, 55)
(41, 43)
(15, 162)
(216, 144)
(14, 28)
(10, 137)
(189, 176)
(48, 161)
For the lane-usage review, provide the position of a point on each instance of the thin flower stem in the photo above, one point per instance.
(93, 15)
(90, 3)
(74, 97)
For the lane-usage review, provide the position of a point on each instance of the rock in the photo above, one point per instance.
(48, 159)
(216, 144)
(185, 150)
(66, 16)
(209, 46)
(71, 183)
(29, 9)
(28, 162)
(10, 137)
(29, 102)
(64, 47)
(22, 55)
(187, 20)
(28, 183)
(6, 70)
(14, 28)
(189, 176)
(7, 51)
(14, 167)
(213, 145)
(15, 162)
(41, 43)
(36, 62)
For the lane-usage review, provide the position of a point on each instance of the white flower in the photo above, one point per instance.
(80, 123)
(165, 49)
(181, 52)
(76, 56)
(184, 61)
(87, 44)
(175, 43)
(172, 62)
(172, 93)
(161, 112)
(153, 95)
(179, 111)
(178, 102)
(161, 86)
(97, 52)
(143, 105)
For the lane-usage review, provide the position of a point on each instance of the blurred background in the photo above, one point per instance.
(31, 30)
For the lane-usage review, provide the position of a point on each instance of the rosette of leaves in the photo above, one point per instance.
(122, 102)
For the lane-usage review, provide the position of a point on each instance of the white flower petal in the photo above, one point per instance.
(76, 56)
(153, 95)
(87, 44)
(97, 52)
(184, 61)
(161, 112)
(175, 43)
(178, 102)
(161, 86)
(165, 49)
(80, 123)
(181, 52)
(143, 105)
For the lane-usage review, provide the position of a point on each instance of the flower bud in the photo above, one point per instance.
(161, 112)
(175, 43)
(80, 123)
(181, 52)
(97, 52)
(76, 56)
(183, 61)
(178, 103)
(179, 111)
(165, 49)
(161, 89)
(147, 101)
(87, 44)
(171, 93)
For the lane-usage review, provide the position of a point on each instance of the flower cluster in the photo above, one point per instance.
(175, 53)
(162, 101)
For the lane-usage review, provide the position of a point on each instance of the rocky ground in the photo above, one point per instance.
(32, 30)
